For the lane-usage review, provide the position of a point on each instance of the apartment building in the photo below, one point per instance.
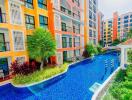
(12, 33)
(110, 30)
(90, 21)
(117, 27)
(73, 24)
(124, 25)
(68, 29)
(100, 26)
(18, 18)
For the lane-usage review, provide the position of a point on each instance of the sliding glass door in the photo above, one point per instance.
(4, 66)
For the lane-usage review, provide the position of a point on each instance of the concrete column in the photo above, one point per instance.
(125, 56)
(122, 58)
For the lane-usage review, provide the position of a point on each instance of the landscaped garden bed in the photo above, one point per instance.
(121, 87)
(38, 76)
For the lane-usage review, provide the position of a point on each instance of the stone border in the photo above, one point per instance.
(5, 82)
(97, 95)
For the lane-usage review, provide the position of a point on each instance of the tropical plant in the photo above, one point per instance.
(101, 43)
(129, 53)
(99, 48)
(91, 49)
(116, 42)
(121, 88)
(23, 69)
(41, 45)
(129, 34)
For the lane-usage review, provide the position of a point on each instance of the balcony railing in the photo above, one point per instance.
(4, 46)
(77, 1)
(70, 13)
(66, 28)
(76, 44)
(76, 30)
(2, 17)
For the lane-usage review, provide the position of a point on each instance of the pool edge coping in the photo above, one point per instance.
(107, 81)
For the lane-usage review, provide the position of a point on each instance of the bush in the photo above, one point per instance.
(91, 49)
(23, 69)
(99, 49)
(121, 88)
(129, 53)
(85, 54)
(120, 76)
(116, 42)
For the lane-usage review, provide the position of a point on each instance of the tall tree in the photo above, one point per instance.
(41, 45)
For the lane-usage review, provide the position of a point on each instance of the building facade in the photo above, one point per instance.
(12, 33)
(124, 25)
(110, 30)
(68, 29)
(90, 21)
(100, 26)
(117, 27)
(73, 24)
(18, 18)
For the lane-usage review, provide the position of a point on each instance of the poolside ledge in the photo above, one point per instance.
(97, 95)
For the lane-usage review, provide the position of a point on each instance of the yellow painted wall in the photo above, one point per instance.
(34, 12)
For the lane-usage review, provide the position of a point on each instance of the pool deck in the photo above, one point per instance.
(99, 93)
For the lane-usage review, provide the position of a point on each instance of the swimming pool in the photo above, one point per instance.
(74, 85)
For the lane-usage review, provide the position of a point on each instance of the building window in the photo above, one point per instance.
(130, 16)
(90, 15)
(76, 41)
(77, 53)
(43, 21)
(20, 60)
(90, 23)
(18, 39)
(126, 17)
(42, 4)
(15, 13)
(70, 42)
(126, 25)
(125, 21)
(90, 33)
(64, 42)
(30, 24)
(29, 4)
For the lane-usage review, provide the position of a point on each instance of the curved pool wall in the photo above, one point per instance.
(73, 85)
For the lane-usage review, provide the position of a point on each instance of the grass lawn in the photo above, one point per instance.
(39, 76)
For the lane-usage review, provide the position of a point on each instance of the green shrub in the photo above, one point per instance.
(91, 49)
(129, 72)
(99, 49)
(120, 76)
(129, 53)
(121, 88)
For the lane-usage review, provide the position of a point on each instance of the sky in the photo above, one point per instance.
(107, 7)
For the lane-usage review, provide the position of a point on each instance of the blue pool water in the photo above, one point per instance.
(74, 85)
